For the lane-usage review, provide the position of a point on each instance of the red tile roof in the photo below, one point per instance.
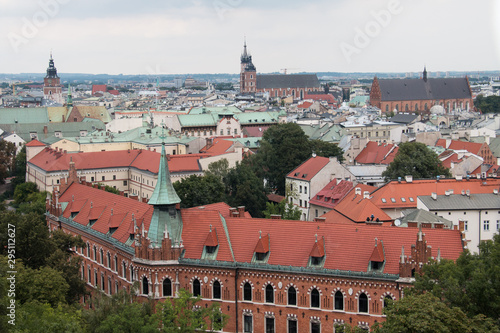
(347, 247)
(309, 169)
(394, 192)
(256, 132)
(35, 143)
(492, 169)
(450, 157)
(358, 209)
(305, 105)
(321, 97)
(472, 147)
(218, 146)
(375, 153)
(113, 211)
(331, 194)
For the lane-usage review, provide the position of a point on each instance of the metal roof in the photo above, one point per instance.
(462, 202)
(419, 89)
(268, 81)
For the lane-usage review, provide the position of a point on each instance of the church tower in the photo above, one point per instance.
(52, 84)
(248, 73)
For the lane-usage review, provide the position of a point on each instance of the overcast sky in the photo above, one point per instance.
(198, 36)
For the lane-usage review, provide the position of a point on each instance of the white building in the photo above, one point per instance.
(480, 213)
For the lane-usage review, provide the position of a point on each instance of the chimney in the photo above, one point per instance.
(366, 195)
(319, 219)
(434, 195)
(275, 217)
(357, 191)
(241, 210)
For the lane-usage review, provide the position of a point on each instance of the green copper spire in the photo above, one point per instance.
(69, 100)
(164, 193)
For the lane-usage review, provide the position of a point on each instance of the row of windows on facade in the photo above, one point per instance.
(369, 134)
(198, 133)
(292, 325)
(448, 106)
(486, 225)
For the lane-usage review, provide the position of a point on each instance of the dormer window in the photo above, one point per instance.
(91, 222)
(211, 245)
(261, 252)
(377, 259)
(317, 255)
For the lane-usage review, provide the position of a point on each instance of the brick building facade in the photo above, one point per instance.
(419, 95)
(267, 275)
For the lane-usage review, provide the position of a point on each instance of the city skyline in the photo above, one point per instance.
(207, 36)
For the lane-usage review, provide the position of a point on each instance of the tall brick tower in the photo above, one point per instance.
(248, 73)
(52, 84)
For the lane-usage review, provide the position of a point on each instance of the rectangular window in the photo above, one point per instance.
(315, 327)
(498, 225)
(235, 131)
(89, 277)
(300, 202)
(292, 326)
(466, 225)
(486, 225)
(269, 325)
(247, 324)
(300, 189)
(221, 132)
(124, 183)
(114, 177)
(316, 213)
(103, 177)
(91, 179)
(305, 189)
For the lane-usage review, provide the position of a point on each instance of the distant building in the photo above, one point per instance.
(419, 95)
(52, 84)
(277, 85)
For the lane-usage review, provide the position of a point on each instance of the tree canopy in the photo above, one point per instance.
(199, 190)
(7, 159)
(490, 104)
(415, 159)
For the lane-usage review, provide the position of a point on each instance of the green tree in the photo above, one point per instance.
(20, 167)
(38, 317)
(7, 155)
(219, 168)
(244, 188)
(327, 149)
(182, 315)
(108, 188)
(427, 313)
(471, 284)
(490, 104)
(120, 313)
(199, 190)
(287, 210)
(415, 159)
(283, 148)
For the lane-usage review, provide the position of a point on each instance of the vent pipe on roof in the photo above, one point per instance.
(434, 195)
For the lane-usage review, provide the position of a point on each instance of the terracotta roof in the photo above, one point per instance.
(450, 158)
(472, 147)
(256, 132)
(305, 105)
(375, 153)
(113, 211)
(487, 168)
(378, 252)
(309, 169)
(358, 209)
(218, 146)
(331, 194)
(404, 194)
(98, 87)
(35, 143)
(275, 197)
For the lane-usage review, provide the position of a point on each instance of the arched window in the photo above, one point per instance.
(102, 256)
(387, 108)
(339, 301)
(196, 288)
(167, 287)
(109, 260)
(406, 107)
(269, 294)
(397, 107)
(124, 271)
(416, 106)
(387, 300)
(145, 286)
(216, 289)
(363, 303)
(95, 253)
(88, 250)
(425, 106)
(247, 292)
(315, 298)
(292, 296)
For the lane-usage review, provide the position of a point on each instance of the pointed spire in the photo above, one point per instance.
(164, 192)
(424, 76)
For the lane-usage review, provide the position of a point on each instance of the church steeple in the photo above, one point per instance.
(424, 74)
(166, 219)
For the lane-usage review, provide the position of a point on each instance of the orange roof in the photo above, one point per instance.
(112, 208)
(359, 209)
(450, 158)
(346, 247)
(35, 143)
(305, 105)
(375, 153)
(218, 146)
(378, 252)
(491, 169)
(472, 147)
(331, 194)
(309, 169)
(404, 194)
